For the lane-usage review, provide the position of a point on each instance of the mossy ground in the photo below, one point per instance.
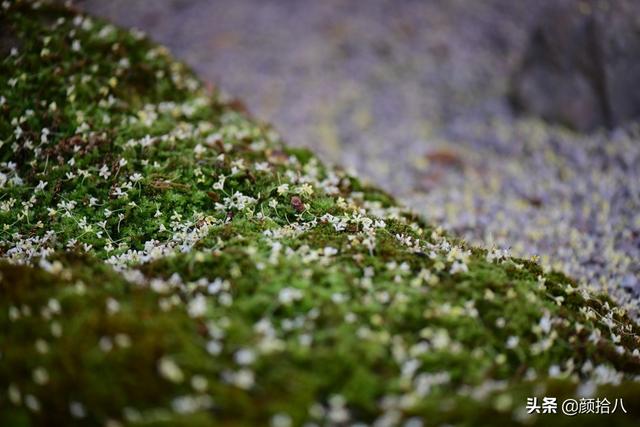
(169, 261)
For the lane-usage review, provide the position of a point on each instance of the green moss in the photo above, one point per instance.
(168, 261)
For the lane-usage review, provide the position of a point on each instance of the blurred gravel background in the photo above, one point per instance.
(411, 95)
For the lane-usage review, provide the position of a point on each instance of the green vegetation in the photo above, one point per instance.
(168, 261)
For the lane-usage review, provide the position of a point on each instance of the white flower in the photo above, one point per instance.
(199, 383)
(283, 189)
(214, 347)
(169, 370)
(199, 150)
(245, 356)
(105, 344)
(40, 376)
(305, 190)
(329, 251)
(338, 298)
(262, 166)
(244, 379)
(288, 295)
(281, 420)
(458, 267)
(41, 186)
(77, 409)
(113, 306)
(545, 323)
(220, 184)
(84, 127)
(197, 306)
(104, 172)
(69, 206)
(32, 403)
(215, 286)
(512, 341)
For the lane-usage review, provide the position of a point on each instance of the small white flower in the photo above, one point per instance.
(219, 185)
(41, 185)
(244, 379)
(329, 251)
(104, 172)
(199, 383)
(77, 410)
(197, 306)
(214, 347)
(14, 394)
(40, 376)
(245, 356)
(281, 420)
(545, 323)
(338, 298)
(262, 166)
(458, 267)
(214, 287)
(32, 403)
(305, 190)
(105, 344)
(288, 295)
(169, 370)
(113, 306)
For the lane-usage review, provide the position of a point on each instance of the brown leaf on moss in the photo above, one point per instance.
(213, 196)
(297, 204)
(238, 106)
(445, 158)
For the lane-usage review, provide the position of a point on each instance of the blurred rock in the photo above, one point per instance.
(581, 64)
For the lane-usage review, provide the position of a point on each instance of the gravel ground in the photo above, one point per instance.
(411, 96)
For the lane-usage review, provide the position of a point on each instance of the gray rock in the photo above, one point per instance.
(582, 64)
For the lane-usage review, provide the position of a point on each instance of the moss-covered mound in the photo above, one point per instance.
(168, 261)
